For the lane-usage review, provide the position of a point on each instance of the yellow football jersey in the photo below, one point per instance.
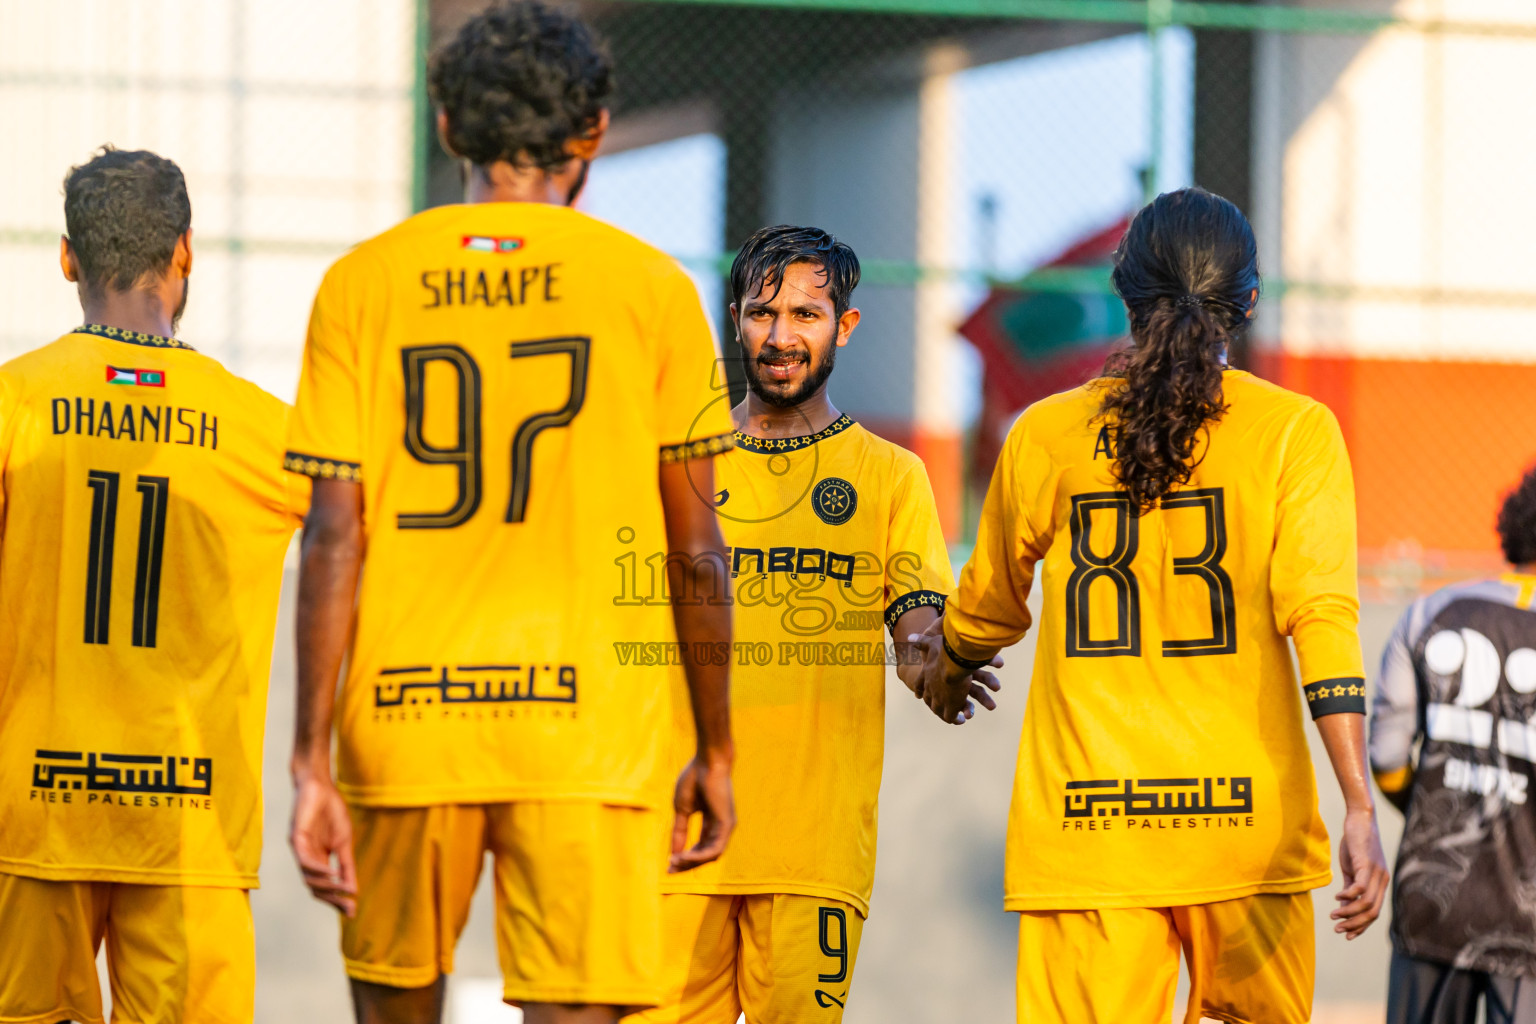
(146, 516)
(503, 379)
(833, 535)
(1163, 760)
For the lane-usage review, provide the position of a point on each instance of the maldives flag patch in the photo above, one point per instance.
(143, 378)
(491, 243)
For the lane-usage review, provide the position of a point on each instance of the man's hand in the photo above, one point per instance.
(1365, 874)
(704, 787)
(909, 666)
(321, 829)
(909, 658)
(951, 691)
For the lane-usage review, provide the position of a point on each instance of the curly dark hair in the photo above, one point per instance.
(1517, 522)
(770, 251)
(124, 210)
(520, 81)
(1187, 269)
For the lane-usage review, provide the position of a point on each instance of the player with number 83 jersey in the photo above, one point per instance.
(1179, 797)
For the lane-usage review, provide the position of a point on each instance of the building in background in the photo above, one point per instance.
(1392, 200)
(1043, 334)
(295, 123)
(1386, 177)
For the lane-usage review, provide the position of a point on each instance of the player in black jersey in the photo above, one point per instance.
(1459, 680)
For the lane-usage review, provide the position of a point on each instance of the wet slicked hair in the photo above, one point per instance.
(770, 251)
(520, 81)
(124, 211)
(1517, 522)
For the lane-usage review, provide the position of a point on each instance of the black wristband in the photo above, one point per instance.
(965, 663)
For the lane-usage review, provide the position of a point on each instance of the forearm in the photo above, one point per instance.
(701, 611)
(704, 629)
(963, 651)
(1344, 738)
(330, 560)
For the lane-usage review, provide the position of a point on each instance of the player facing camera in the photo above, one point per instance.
(834, 540)
(791, 289)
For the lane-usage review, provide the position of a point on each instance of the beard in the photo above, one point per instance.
(580, 183)
(768, 391)
(181, 307)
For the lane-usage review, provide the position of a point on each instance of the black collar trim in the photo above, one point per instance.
(773, 445)
(131, 337)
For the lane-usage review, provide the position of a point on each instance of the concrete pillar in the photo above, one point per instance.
(873, 167)
(1392, 194)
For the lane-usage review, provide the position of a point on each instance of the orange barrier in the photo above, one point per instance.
(1435, 445)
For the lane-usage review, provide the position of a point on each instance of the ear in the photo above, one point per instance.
(181, 256)
(585, 148)
(845, 325)
(442, 134)
(1253, 304)
(67, 261)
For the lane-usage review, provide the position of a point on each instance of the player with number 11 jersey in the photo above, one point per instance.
(144, 517)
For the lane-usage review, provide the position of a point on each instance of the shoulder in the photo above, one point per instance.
(261, 406)
(1423, 613)
(1068, 413)
(897, 464)
(406, 239)
(1488, 591)
(610, 236)
(1249, 395)
(636, 262)
(60, 359)
(41, 361)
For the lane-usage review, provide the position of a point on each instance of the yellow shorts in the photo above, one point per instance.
(783, 959)
(1250, 962)
(577, 897)
(175, 954)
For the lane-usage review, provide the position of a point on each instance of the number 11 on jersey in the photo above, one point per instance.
(156, 492)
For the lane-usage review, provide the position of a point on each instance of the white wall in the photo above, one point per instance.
(1401, 166)
(290, 119)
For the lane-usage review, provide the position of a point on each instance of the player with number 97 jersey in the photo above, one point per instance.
(472, 368)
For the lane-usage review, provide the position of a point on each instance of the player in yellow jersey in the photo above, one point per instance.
(834, 538)
(1189, 518)
(146, 516)
(494, 396)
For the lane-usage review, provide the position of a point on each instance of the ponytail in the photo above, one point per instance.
(1186, 269)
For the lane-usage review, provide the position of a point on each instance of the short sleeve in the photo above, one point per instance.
(917, 572)
(1313, 581)
(298, 494)
(323, 432)
(988, 610)
(692, 402)
(1395, 708)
